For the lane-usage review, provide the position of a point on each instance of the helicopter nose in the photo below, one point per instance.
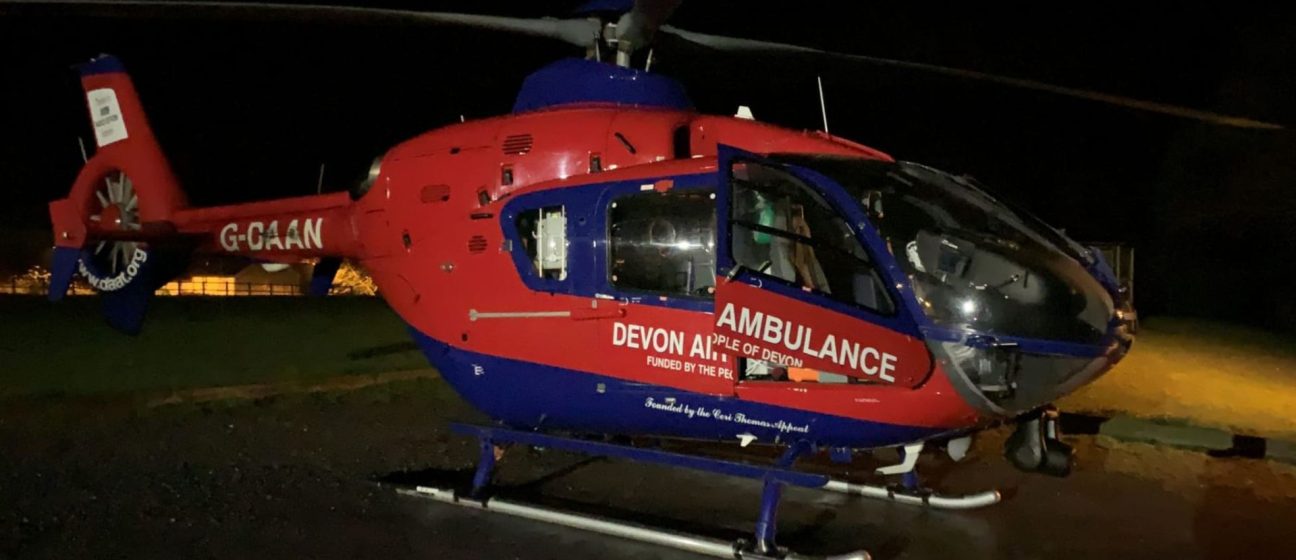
(1016, 326)
(1009, 377)
(1006, 375)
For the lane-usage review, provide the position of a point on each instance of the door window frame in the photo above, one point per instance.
(829, 250)
(906, 317)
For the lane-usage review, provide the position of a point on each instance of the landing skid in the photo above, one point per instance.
(632, 531)
(774, 477)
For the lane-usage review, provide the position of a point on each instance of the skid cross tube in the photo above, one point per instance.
(774, 477)
(767, 523)
(910, 479)
(485, 467)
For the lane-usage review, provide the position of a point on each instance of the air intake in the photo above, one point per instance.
(476, 244)
(517, 144)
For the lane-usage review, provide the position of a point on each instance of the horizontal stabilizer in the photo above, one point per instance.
(62, 268)
(322, 277)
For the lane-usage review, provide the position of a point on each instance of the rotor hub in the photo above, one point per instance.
(111, 217)
(118, 210)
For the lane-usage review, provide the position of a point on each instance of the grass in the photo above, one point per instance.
(67, 348)
(1203, 373)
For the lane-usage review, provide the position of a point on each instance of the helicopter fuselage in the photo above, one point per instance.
(607, 260)
(581, 353)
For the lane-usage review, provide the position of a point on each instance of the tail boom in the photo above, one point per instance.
(276, 230)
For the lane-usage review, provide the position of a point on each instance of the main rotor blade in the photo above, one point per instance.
(579, 32)
(733, 44)
(638, 26)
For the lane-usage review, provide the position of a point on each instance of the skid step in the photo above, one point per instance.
(902, 495)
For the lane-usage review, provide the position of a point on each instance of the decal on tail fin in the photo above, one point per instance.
(109, 126)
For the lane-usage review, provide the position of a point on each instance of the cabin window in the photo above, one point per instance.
(783, 229)
(664, 242)
(543, 233)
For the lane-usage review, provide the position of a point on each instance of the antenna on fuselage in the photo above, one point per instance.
(823, 108)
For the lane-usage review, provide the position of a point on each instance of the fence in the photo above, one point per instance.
(1121, 259)
(231, 288)
(30, 287)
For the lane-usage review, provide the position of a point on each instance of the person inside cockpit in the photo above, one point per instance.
(787, 258)
(809, 272)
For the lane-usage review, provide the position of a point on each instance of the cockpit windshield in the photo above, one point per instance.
(974, 262)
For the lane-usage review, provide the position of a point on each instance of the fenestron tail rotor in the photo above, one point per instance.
(118, 210)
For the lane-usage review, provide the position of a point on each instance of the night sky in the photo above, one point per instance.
(249, 109)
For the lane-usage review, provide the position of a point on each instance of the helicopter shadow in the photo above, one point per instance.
(816, 528)
(531, 491)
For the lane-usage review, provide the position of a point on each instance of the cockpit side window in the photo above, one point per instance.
(972, 261)
(783, 229)
(663, 242)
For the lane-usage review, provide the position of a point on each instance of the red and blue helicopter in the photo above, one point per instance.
(604, 260)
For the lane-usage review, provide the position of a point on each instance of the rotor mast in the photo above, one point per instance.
(624, 29)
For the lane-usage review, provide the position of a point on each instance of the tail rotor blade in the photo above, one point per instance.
(112, 256)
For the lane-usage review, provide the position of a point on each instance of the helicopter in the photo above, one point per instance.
(605, 262)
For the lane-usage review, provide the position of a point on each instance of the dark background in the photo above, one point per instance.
(248, 109)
